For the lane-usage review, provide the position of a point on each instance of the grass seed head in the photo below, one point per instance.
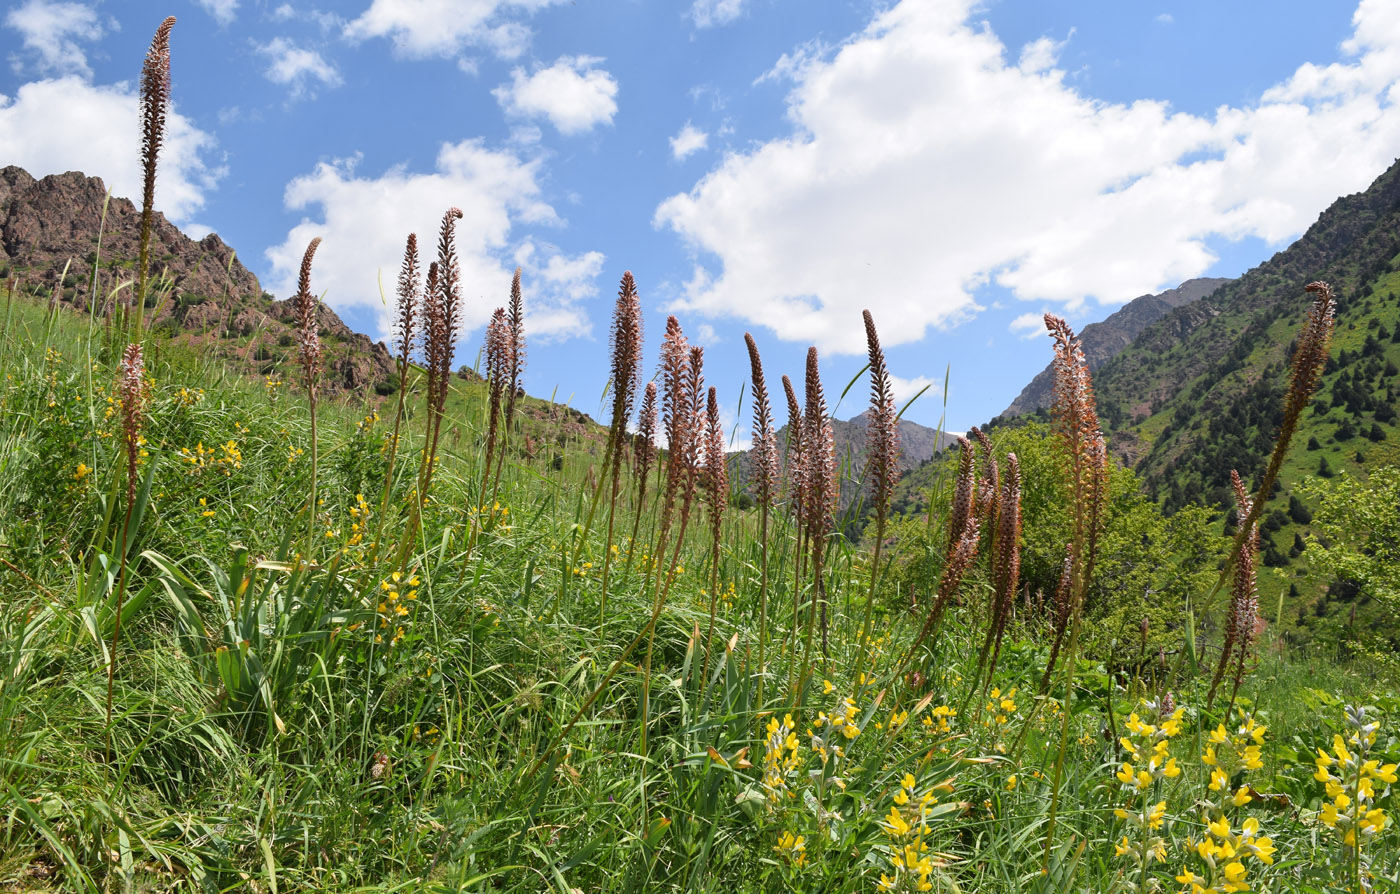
(409, 293)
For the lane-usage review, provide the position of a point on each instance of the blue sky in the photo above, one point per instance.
(774, 166)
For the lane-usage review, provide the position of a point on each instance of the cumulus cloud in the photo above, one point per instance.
(710, 13)
(997, 171)
(690, 140)
(297, 67)
(364, 221)
(425, 28)
(52, 33)
(67, 124)
(1028, 326)
(223, 11)
(573, 93)
(905, 389)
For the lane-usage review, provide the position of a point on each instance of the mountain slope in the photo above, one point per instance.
(1200, 391)
(214, 302)
(1104, 340)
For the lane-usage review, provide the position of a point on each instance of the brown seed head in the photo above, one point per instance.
(516, 318)
(716, 469)
(819, 482)
(308, 324)
(765, 442)
(626, 343)
(645, 443)
(962, 510)
(409, 292)
(882, 427)
(154, 103)
(676, 415)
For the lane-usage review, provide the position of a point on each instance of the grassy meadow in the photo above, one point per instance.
(258, 637)
(353, 700)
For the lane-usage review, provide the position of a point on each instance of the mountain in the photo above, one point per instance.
(214, 303)
(917, 445)
(1200, 391)
(1103, 340)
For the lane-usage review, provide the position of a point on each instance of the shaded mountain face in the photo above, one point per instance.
(214, 302)
(1104, 340)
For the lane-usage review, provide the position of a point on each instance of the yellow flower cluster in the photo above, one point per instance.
(366, 423)
(1350, 776)
(1223, 852)
(1147, 762)
(839, 728)
(1228, 754)
(189, 397)
(360, 513)
(940, 719)
(223, 459)
(391, 606)
(780, 759)
(1001, 708)
(905, 829)
(272, 385)
(792, 848)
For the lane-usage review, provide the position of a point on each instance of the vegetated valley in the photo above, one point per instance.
(283, 610)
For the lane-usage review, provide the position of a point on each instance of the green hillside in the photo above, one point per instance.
(1200, 392)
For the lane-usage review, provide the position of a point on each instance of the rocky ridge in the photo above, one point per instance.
(212, 301)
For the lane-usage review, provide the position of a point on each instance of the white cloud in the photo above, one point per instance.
(909, 201)
(52, 32)
(709, 13)
(690, 140)
(1028, 326)
(905, 389)
(556, 286)
(1165, 18)
(67, 124)
(573, 93)
(223, 11)
(424, 28)
(365, 220)
(297, 67)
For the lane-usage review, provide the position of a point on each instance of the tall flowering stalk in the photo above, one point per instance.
(444, 323)
(309, 356)
(643, 455)
(766, 482)
(132, 391)
(819, 485)
(154, 106)
(626, 338)
(499, 351)
(1006, 564)
(1086, 461)
(1244, 598)
(795, 457)
(1309, 360)
(882, 440)
(717, 497)
(406, 323)
(515, 321)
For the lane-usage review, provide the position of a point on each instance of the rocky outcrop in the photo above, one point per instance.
(54, 224)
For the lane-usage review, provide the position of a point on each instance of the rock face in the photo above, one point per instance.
(210, 298)
(1103, 341)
